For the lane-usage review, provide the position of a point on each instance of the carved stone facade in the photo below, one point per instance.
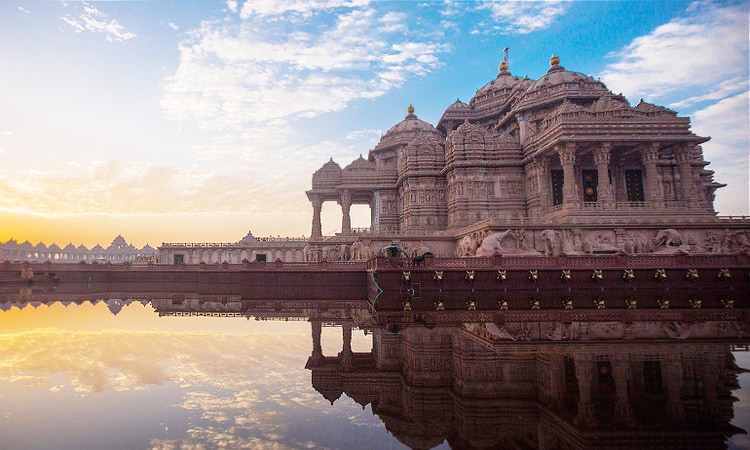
(558, 165)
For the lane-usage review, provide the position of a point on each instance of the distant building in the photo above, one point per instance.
(117, 252)
(249, 248)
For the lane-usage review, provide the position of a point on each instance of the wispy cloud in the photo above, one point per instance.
(519, 17)
(699, 59)
(95, 21)
(705, 50)
(24, 10)
(265, 8)
(238, 73)
(727, 123)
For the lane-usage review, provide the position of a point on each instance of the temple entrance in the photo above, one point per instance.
(557, 187)
(590, 182)
(634, 185)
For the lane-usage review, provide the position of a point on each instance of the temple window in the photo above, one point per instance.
(590, 181)
(179, 258)
(634, 185)
(557, 187)
(652, 380)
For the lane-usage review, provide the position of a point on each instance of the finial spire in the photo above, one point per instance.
(503, 67)
(554, 60)
(410, 109)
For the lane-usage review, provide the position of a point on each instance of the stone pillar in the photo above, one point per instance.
(710, 380)
(557, 380)
(683, 158)
(346, 354)
(345, 199)
(317, 227)
(523, 127)
(317, 350)
(375, 212)
(650, 158)
(604, 192)
(543, 182)
(586, 415)
(621, 374)
(620, 193)
(673, 386)
(567, 154)
(620, 238)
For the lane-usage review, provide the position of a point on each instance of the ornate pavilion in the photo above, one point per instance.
(558, 165)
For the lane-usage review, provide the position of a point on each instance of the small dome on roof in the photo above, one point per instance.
(410, 124)
(405, 131)
(360, 164)
(455, 114)
(328, 176)
(329, 168)
(458, 105)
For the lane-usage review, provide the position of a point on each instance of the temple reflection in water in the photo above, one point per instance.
(528, 384)
(476, 386)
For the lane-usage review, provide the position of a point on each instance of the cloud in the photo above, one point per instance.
(727, 123)
(519, 17)
(22, 9)
(235, 74)
(699, 59)
(95, 21)
(706, 50)
(264, 8)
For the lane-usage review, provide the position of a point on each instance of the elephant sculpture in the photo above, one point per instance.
(467, 246)
(668, 237)
(492, 244)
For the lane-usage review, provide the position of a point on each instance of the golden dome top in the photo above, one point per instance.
(503, 67)
(554, 60)
(410, 109)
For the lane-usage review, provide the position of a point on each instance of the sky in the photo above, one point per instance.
(173, 121)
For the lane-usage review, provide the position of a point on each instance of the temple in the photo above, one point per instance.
(558, 165)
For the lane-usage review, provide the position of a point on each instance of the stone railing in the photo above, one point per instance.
(562, 262)
(321, 266)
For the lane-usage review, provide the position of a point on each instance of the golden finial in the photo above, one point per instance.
(410, 109)
(503, 67)
(554, 60)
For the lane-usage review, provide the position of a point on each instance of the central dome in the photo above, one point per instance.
(559, 83)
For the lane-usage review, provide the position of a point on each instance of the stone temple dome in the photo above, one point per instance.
(496, 91)
(403, 132)
(360, 170)
(328, 176)
(558, 84)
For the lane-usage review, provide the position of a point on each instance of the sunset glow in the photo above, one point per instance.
(172, 122)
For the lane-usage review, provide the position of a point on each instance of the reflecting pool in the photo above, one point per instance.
(137, 369)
